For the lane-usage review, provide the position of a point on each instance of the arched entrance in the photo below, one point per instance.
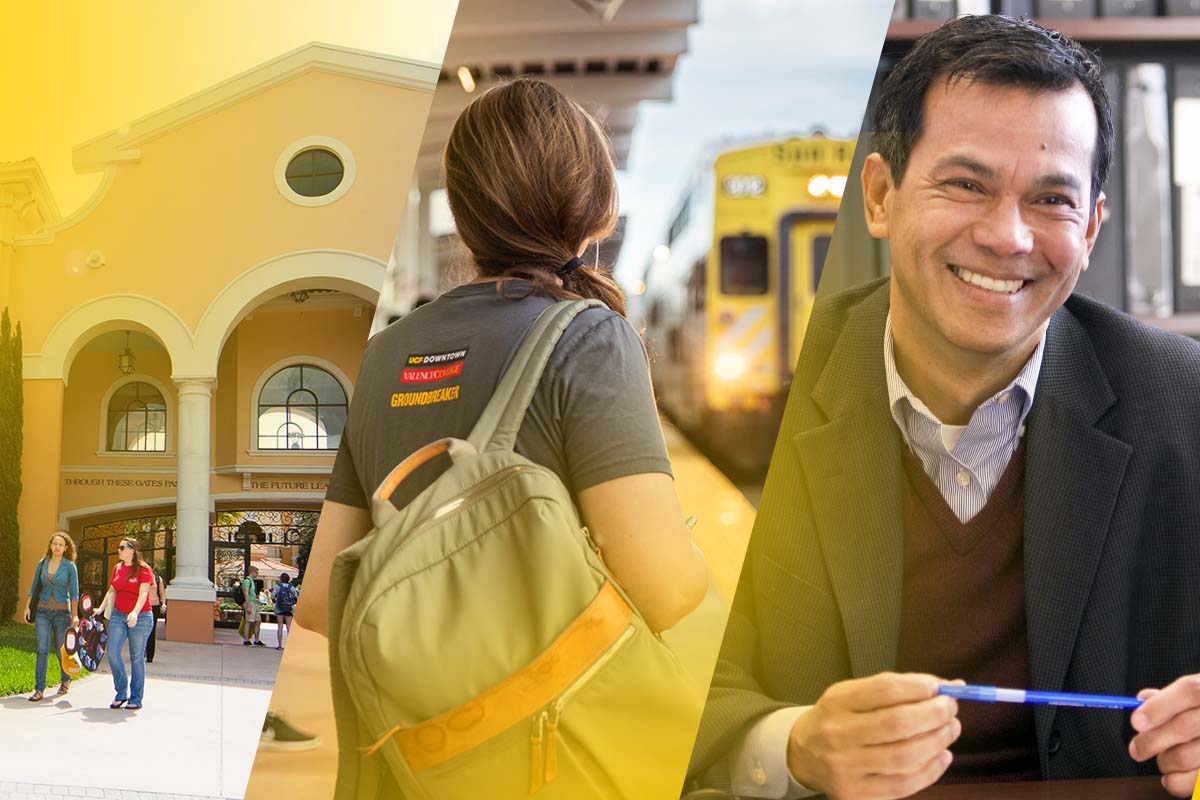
(275, 540)
(98, 540)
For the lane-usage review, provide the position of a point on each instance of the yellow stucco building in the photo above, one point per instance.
(193, 332)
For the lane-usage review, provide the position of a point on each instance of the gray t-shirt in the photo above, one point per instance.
(430, 374)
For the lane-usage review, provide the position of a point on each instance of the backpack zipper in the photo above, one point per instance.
(544, 736)
(446, 509)
(537, 769)
(461, 500)
(587, 535)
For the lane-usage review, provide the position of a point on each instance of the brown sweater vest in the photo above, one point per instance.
(963, 616)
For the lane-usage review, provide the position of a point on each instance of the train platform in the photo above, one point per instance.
(724, 518)
(195, 737)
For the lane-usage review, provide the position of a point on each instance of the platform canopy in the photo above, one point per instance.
(607, 54)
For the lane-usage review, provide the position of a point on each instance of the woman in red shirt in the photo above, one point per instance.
(128, 605)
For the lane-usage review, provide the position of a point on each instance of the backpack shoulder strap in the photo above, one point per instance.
(501, 419)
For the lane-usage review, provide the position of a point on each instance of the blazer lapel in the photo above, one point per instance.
(852, 468)
(1073, 472)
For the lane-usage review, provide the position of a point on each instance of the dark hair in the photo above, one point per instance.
(137, 563)
(285, 578)
(69, 553)
(994, 50)
(530, 182)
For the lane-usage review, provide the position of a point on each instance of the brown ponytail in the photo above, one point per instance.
(530, 183)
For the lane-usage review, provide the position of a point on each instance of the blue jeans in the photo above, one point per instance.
(118, 632)
(51, 627)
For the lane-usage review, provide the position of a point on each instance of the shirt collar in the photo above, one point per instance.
(898, 391)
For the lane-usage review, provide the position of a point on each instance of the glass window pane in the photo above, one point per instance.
(148, 395)
(124, 396)
(116, 436)
(323, 385)
(291, 437)
(137, 419)
(314, 173)
(300, 166)
(324, 184)
(270, 419)
(135, 428)
(302, 398)
(744, 265)
(333, 422)
(325, 163)
(304, 409)
(303, 420)
(281, 384)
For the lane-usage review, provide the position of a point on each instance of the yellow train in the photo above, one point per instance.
(729, 291)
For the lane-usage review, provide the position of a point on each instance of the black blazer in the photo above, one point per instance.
(1111, 540)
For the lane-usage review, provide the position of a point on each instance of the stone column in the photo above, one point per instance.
(191, 594)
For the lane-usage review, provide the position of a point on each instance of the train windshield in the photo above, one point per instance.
(744, 265)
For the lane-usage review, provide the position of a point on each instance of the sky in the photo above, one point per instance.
(73, 71)
(754, 68)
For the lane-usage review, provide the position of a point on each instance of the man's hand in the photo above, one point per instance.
(1168, 726)
(886, 736)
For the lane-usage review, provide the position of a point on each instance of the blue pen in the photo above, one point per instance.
(992, 694)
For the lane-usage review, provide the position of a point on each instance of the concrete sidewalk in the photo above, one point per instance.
(195, 737)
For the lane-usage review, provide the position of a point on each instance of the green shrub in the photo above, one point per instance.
(18, 658)
(11, 412)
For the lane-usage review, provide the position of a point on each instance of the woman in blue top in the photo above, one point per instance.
(57, 583)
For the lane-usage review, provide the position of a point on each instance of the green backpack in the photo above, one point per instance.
(479, 647)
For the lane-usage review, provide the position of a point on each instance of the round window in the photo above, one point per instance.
(314, 172)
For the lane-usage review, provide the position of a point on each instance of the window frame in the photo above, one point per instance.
(337, 147)
(333, 370)
(104, 445)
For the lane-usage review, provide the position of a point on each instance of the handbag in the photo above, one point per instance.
(36, 599)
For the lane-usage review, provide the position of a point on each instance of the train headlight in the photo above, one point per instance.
(730, 366)
(837, 186)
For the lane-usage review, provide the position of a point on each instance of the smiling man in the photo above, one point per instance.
(979, 476)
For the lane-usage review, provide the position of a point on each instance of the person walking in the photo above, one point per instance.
(127, 606)
(285, 602)
(158, 592)
(56, 591)
(251, 617)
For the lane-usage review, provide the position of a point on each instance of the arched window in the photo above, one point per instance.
(137, 419)
(301, 407)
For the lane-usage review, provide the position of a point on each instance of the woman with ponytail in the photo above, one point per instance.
(533, 191)
(127, 606)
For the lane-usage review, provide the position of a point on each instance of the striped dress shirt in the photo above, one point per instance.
(965, 464)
